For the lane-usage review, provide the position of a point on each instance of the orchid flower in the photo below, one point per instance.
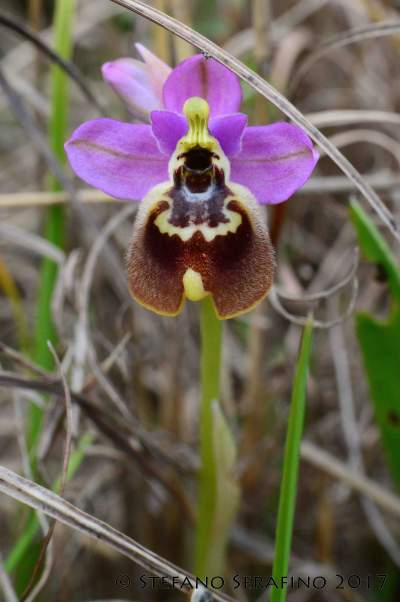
(201, 174)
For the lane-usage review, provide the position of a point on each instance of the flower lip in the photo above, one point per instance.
(219, 247)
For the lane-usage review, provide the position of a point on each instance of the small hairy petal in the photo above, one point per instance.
(122, 159)
(131, 81)
(228, 130)
(274, 162)
(157, 70)
(197, 76)
(169, 127)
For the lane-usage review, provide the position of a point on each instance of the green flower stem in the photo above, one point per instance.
(288, 491)
(54, 230)
(211, 331)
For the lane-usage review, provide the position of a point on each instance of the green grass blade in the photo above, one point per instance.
(54, 230)
(380, 341)
(375, 247)
(288, 491)
(380, 347)
(24, 543)
(211, 332)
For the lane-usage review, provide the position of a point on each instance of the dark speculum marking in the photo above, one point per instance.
(199, 191)
(237, 268)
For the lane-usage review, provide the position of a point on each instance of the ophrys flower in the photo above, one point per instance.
(202, 174)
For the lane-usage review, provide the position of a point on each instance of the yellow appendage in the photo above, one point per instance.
(197, 112)
(193, 285)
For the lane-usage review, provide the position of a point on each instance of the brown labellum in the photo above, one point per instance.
(200, 236)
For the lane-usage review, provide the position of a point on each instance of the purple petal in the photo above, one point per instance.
(275, 161)
(197, 76)
(131, 81)
(228, 131)
(121, 159)
(157, 70)
(168, 128)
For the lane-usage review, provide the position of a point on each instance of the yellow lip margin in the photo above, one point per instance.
(159, 312)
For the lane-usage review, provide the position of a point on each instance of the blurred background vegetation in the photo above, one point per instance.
(135, 451)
